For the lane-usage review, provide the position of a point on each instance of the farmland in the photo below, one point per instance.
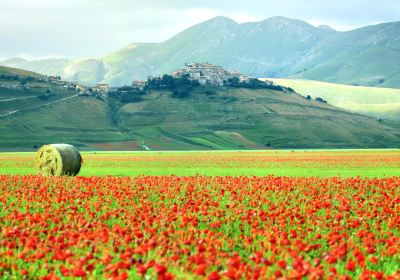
(210, 118)
(350, 163)
(195, 215)
(373, 101)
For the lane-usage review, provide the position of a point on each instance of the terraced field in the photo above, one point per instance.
(373, 101)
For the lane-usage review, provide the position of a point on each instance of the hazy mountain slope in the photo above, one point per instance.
(128, 64)
(270, 47)
(195, 43)
(373, 101)
(366, 56)
(49, 66)
(85, 71)
(267, 48)
(275, 47)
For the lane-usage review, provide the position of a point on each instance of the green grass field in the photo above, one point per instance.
(373, 101)
(323, 163)
(19, 72)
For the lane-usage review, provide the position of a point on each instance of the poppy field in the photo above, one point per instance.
(202, 226)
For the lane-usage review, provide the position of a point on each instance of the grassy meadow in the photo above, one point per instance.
(308, 163)
(374, 101)
(208, 119)
(16, 71)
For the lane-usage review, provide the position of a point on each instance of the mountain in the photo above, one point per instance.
(256, 49)
(37, 113)
(367, 56)
(48, 66)
(275, 47)
(85, 71)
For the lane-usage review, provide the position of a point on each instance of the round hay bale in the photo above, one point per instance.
(58, 159)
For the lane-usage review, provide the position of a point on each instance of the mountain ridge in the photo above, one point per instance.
(274, 47)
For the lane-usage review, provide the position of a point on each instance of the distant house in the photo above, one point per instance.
(242, 78)
(139, 84)
(68, 85)
(60, 82)
(101, 88)
(80, 88)
(114, 89)
(53, 78)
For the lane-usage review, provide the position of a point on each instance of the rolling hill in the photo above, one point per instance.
(209, 118)
(48, 66)
(373, 101)
(21, 90)
(19, 72)
(37, 112)
(275, 47)
(367, 56)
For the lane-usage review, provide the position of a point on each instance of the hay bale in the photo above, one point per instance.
(58, 159)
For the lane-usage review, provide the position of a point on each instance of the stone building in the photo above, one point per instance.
(206, 73)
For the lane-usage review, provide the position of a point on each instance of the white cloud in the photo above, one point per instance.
(334, 25)
(199, 14)
(95, 27)
(241, 18)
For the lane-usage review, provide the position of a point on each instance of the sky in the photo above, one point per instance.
(92, 28)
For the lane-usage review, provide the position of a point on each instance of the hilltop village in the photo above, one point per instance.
(201, 73)
(208, 74)
(196, 73)
(180, 82)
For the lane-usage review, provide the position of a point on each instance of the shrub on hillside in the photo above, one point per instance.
(127, 94)
(319, 99)
(180, 87)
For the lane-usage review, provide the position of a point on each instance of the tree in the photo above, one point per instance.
(127, 94)
(184, 80)
(234, 82)
(319, 99)
(182, 91)
(168, 81)
(180, 87)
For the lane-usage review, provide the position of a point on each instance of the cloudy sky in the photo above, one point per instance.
(80, 28)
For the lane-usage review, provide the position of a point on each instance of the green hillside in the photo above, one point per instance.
(47, 66)
(367, 56)
(275, 47)
(374, 101)
(22, 91)
(78, 121)
(15, 71)
(252, 48)
(85, 71)
(209, 118)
